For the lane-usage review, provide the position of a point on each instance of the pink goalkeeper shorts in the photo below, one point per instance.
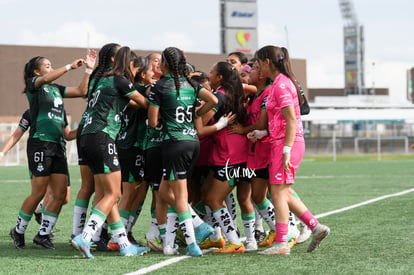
(278, 175)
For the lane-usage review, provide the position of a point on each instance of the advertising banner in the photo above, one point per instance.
(351, 58)
(240, 15)
(241, 40)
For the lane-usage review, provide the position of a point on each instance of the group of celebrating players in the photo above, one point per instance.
(155, 122)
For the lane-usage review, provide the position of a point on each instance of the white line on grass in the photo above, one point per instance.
(164, 263)
(16, 181)
(158, 266)
(177, 259)
(364, 203)
(28, 181)
(345, 177)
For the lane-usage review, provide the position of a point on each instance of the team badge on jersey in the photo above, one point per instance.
(40, 167)
(116, 161)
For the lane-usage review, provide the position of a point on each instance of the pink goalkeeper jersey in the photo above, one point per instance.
(283, 94)
(259, 156)
(206, 142)
(228, 148)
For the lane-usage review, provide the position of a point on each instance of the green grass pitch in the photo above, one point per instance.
(377, 238)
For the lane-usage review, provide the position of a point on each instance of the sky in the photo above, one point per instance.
(311, 30)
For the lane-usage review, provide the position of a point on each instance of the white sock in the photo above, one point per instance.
(48, 222)
(22, 222)
(248, 223)
(222, 215)
(258, 223)
(213, 222)
(268, 213)
(97, 236)
(162, 230)
(79, 218)
(186, 225)
(197, 221)
(119, 234)
(38, 207)
(171, 229)
(231, 206)
(131, 219)
(94, 223)
(153, 231)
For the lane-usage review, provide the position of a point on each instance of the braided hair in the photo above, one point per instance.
(105, 62)
(234, 91)
(177, 64)
(29, 68)
(279, 57)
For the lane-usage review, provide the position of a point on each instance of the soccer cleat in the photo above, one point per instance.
(319, 233)
(269, 240)
(278, 248)
(155, 244)
(209, 243)
(304, 233)
(251, 245)
(292, 242)
(259, 236)
(193, 250)
(71, 238)
(131, 238)
(179, 238)
(105, 236)
(292, 238)
(168, 250)
(231, 248)
(113, 246)
(18, 238)
(52, 237)
(38, 217)
(82, 246)
(202, 232)
(99, 246)
(43, 240)
(134, 250)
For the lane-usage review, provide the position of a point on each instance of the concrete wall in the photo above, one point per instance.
(13, 58)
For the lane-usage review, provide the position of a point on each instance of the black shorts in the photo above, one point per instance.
(68, 182)
(234, 173)
(132, 164)
(179, 158)
(45, 158)
(153, 167)
(81, 158)
(261, 173)
(100, 153)
(199, 174)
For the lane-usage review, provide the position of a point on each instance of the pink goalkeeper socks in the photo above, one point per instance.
(308, 219)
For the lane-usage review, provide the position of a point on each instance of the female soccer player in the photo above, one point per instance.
(102, 123)
(131, 143)
(23, 126)
(228, 158)
(105, 62)
(155, 60)
(287, 147)
(172, 104)
(45, 153)
(238, 60)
